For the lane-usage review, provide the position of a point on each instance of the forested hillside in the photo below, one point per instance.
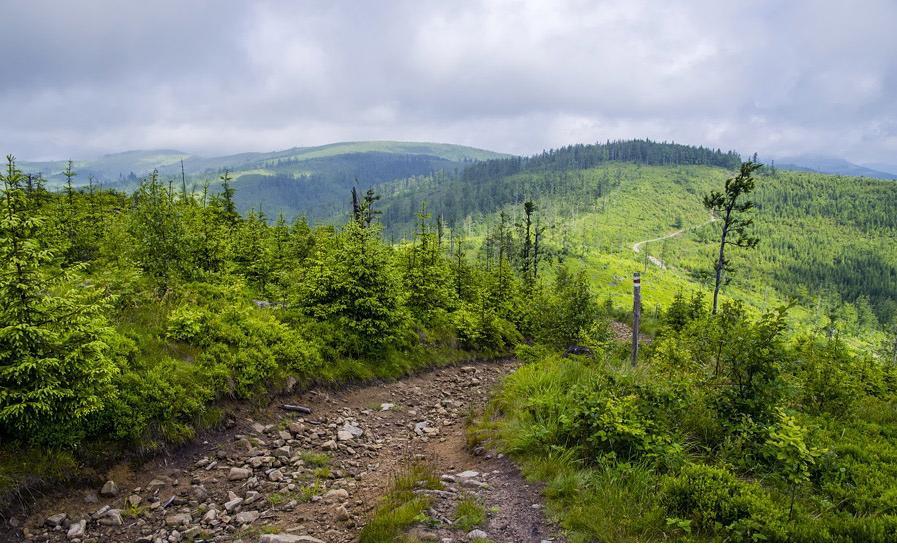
(311, 182)
(129, 320)
(828, 241)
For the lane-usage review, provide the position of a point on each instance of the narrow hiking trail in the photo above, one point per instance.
(256, 479)
(637, 247)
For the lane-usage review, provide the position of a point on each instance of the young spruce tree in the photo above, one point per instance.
(56, 364)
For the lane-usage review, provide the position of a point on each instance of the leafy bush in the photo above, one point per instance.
(256, 348)
(481, 329)
(792, 458)
(613, 419)
(188, 324)
(163, 401)
(718, 505)
(828, 377)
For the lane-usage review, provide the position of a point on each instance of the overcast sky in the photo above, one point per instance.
(780, 78)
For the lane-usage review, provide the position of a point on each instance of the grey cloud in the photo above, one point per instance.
(212, 77)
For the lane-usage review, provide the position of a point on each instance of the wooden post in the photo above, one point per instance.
(636, 314)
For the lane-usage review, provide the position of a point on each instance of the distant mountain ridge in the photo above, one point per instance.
(115, 167)
(890, 168)
(832, 165)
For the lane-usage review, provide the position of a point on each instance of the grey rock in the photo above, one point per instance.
(282, 452)
(424, 428)
(134, 500)
(239, 474)
(210, 515)
(342, 513)
(291, 383)
(232, 505)
(329, 445)
(76, 530)
(246, 517)
(419, 427)
(178, 519)
(296, 428)
(109, 490)
(469, 474)
(56, 520)
(111, 517)
(335, 495)
(259, 461)
(477, 534)
(352, 429)
(387, 406)
(275, 476)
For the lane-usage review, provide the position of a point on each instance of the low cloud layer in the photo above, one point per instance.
(780, 78)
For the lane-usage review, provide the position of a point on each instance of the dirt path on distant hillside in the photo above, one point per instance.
(637, 247)
(251, 481)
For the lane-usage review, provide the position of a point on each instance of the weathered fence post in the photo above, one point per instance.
(636, 314)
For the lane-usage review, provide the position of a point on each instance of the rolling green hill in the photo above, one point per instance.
(828, 242)
(271, 176)
(311, 181)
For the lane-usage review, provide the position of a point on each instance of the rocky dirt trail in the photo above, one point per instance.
(277, 476)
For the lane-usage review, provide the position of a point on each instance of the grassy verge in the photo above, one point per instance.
(612, 503)
(402, 507)
(469, 514)
(649, 454)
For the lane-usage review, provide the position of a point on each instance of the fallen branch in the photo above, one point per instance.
(296, 408)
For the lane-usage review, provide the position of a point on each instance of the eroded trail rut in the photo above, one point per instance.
(257, 478)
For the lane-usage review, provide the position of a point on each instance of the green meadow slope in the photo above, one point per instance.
(826, 242)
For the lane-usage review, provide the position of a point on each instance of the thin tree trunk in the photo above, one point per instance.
(721, 261)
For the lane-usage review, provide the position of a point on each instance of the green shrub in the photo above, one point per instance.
(188, 324)
(483, 330)
(843, 527)
(162, 401)
(718, 505)
(790, 455)
(829, 377)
